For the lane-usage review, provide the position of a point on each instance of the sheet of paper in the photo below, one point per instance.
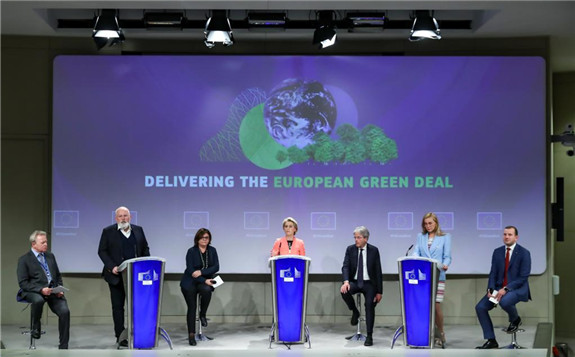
(218, 281)
(59, 289)
(493, 297)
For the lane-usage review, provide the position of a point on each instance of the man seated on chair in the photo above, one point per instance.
(508, 284)
(38, 274)
(362, 273)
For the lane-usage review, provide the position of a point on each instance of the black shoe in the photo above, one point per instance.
(63, 347)
(514, 326)
(123, 343)
(354, 318)
(204, 321)
(192, 339)
(36, 334)
(368, 341)
(489, 344)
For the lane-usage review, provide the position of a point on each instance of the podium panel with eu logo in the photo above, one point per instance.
(418, 286)
(143, 279)
(289, 294)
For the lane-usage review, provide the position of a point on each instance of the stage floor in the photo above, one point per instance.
(252, 340)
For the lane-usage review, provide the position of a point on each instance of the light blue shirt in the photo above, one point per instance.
(43, 262)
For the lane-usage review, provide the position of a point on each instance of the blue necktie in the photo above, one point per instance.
(44, 265)
(360, 270)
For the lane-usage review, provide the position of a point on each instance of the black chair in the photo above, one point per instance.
(28, 331)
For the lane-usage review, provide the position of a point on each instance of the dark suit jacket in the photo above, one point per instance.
(517, 273)
(110, 249)
(373, 265)
(194, 262)
(31, 275)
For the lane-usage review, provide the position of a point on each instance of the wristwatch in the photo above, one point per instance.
(506, 290)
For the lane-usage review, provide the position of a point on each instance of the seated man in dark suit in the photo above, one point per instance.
(361, 272)
(38, 274)
(510, 269)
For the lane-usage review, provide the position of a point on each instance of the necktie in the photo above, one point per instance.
(360, 270)
(506, 267)
(44, 266)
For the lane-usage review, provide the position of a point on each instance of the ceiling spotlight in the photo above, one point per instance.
(324, 34)
(424, 26)
(107, 29)
(218, 29)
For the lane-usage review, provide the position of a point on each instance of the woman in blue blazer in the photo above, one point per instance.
(433, 243)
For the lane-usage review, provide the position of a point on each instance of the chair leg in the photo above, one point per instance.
(32, 340)
(358, 336)
(200, 336)
(28, 331)
(32, 345)
(514, 344)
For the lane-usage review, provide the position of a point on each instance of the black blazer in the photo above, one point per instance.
(31, 275)
(110, 249)
(373, 265)
(194, 262)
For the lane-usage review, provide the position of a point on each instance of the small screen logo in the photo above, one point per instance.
(148, 277)
(413, 278)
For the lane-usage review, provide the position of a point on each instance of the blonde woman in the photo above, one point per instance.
(433, 243)
(288, 244)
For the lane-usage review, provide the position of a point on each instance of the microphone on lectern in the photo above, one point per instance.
(408, 249)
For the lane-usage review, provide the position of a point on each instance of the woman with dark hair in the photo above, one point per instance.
(201, 266)
(435, 244)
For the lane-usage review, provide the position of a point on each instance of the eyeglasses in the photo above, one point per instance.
(205, 237)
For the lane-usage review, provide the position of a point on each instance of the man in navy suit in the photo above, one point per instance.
(361, 272)
(38, 274)
(508, 281)
(119, 242)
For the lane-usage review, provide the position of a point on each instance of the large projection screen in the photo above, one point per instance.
(237, 143)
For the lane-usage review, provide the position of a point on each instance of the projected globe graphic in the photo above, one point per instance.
(296, 110)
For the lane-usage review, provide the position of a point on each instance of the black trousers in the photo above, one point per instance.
(58, 305)
(190, 295)
(369, 293)
(118, 298)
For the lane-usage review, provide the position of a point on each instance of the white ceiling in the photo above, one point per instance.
(490, 19)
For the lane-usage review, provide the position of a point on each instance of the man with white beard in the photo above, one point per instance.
(119, 242)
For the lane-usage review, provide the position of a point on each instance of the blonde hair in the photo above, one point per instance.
(292, 220)
(431, 215)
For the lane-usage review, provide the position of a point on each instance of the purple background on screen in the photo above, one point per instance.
(478, 120)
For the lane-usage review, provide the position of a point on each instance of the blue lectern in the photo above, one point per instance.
(143, 279)
(418, 286)
(289, 295)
